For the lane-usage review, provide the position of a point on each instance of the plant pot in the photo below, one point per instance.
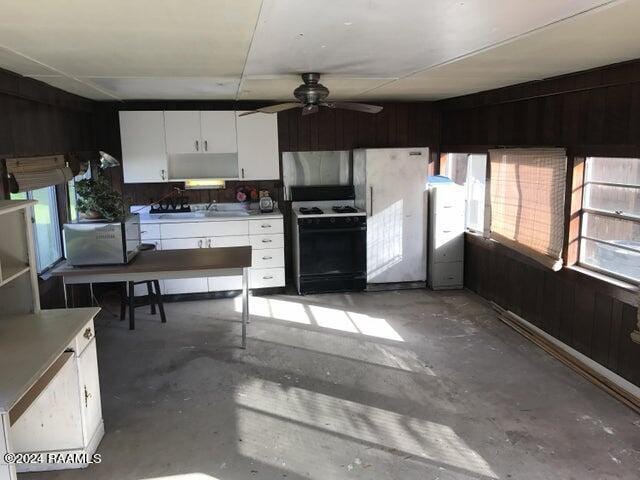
(90, 215)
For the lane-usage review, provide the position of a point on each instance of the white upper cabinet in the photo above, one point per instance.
(200, 132)
(218, 132)
(159, 146)
(183, 132)
(144, 154)
(258, 157)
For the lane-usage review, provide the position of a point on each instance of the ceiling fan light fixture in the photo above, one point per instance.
(311, 95)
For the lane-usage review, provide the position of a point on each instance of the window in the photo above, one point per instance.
(610, 231)
(470, 171)
(46, 226)
(527, 201)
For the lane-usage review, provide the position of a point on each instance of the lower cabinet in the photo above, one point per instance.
(264, 235)
(65, 417)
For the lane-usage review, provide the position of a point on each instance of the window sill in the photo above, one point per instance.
(605, 278)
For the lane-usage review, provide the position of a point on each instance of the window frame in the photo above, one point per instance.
(55, 220)
(583, 183)
(444, 166)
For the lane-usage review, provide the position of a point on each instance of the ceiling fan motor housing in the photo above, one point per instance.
(311, 92)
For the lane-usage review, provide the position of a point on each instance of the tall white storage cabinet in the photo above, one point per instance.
(446, 239)
(390, 185)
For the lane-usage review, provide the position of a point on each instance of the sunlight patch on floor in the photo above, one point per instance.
(382, 429)
(325, 317)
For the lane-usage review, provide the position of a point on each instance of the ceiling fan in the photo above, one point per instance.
(311, 96)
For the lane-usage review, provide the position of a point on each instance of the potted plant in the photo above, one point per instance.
(97, 200)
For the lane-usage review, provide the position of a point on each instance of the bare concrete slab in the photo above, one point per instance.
(385, 385)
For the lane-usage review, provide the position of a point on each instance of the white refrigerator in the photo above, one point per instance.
(391, 185)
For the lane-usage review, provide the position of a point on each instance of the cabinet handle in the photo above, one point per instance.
(206, 146)
(267, 277)
(197, 146)
(266, 226)
(162, 174)
(209, 243)
(267, 258)
(200, 243)
(87, 396)
(88, 334)
(266, 240)
(242, 172)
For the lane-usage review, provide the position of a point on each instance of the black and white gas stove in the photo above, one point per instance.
(329, 239)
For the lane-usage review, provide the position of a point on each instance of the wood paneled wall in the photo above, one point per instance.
(37, 119)
(596, 112)
(590, 113)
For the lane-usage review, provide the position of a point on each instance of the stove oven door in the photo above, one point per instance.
(332, 258)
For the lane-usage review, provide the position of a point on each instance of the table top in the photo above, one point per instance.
(193, 259)
(30, 343)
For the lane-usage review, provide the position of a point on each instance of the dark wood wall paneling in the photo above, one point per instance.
(591, 113)
(37, 119)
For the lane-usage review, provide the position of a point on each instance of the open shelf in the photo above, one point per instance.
(11, 269)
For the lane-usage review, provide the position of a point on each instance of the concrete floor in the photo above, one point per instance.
(387, 385)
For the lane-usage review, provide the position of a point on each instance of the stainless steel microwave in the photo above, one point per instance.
(100, 242)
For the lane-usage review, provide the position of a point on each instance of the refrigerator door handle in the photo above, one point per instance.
(370, 201)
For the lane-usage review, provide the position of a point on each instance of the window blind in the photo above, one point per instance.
(527, 190)
(26, 174)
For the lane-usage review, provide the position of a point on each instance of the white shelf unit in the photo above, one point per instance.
(50, 392)
(18, 277)
(446, 236)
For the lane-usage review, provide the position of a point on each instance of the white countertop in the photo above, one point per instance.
(201, 216)
(30, 343)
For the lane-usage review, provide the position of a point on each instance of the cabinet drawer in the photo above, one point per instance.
(447, 274)
(149, 231)
(267, 258)
(259, 242)
(260, 227)
(204, 229)
(266, 277)
(87, 333)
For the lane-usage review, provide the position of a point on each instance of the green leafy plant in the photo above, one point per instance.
(96, 199)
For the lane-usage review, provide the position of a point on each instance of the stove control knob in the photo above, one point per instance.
(309, 221)
(332, 220)
(347, 220)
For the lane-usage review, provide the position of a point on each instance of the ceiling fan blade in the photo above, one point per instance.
(309, 109)
(359, 107)
(274, 108)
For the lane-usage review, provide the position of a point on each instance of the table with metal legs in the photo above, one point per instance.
(165, 265)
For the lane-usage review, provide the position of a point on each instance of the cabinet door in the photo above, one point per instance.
(183, 131)
(184, 285)
(144, 155)
(218, 132)
(90, 390)
(258, 157)
(52, 422)
(222, 284)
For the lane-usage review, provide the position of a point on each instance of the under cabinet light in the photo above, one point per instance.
(204, 183)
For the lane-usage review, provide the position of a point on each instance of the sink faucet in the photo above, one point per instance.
(212, 203)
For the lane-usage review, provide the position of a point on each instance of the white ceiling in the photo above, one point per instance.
(254, 49)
